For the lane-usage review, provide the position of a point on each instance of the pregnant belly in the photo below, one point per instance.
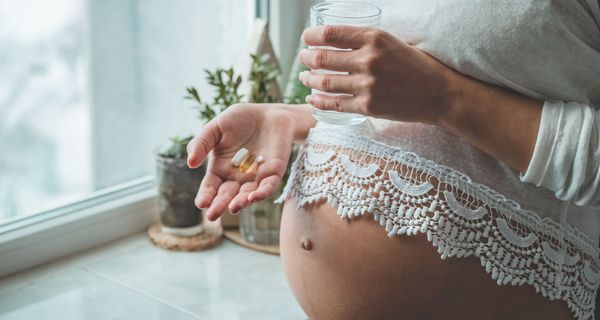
(350, 269)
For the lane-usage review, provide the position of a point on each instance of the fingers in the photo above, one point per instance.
(329, 59)
(269, 176)
(339, 36)
(227, 191)
(266, 188)
(328, 82)
(339, 103)
(208, 189)
(202, 143)
(241, 200)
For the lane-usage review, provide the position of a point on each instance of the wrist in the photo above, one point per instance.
(302, 118)
(498, 121)
(453, 105)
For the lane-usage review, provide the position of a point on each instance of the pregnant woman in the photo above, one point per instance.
(482, 147)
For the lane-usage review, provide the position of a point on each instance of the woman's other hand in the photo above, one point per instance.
(388, 78)
(391, 79)
(265, 129)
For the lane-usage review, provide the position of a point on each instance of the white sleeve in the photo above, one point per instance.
(566, 158)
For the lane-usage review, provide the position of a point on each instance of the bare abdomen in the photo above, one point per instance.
(345, 270)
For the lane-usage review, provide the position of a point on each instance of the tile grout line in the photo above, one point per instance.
(147, 295)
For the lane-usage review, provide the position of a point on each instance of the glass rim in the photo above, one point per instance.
(323, 4)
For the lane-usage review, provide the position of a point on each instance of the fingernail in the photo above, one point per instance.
(309, 99)
(190, 163)
(302, 76)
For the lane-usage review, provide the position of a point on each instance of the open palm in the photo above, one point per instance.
(260, 128)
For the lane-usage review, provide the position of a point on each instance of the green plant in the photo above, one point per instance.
(226, 83)
(262, 75)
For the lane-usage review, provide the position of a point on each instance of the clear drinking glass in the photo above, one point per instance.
(341, 13)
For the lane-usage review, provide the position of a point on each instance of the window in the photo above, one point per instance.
(90, 89)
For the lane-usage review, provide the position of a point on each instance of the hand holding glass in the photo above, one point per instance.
(341, 13)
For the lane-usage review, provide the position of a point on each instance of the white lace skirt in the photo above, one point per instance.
(407, 194)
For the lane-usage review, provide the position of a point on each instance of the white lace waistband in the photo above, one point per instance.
(409, 195)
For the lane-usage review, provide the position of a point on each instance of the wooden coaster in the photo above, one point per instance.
(208, 238)
(235, 236)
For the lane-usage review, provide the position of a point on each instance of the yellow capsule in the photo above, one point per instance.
(247, 162)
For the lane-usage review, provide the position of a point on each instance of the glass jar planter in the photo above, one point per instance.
(260, 223)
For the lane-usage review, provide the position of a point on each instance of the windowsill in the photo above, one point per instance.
(132, 279)
(56, 234)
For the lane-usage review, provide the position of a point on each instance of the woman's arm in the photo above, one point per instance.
(555, 144)
(566, 158)
(498, 121)
(391, 79)
(303, 119)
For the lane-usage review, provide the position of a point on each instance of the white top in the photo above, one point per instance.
(416, 178)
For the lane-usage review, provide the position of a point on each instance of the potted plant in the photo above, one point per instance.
(177, 186)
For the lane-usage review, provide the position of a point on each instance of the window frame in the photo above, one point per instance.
(114, 213)
(117, 211)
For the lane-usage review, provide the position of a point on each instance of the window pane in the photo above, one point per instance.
(89, 89)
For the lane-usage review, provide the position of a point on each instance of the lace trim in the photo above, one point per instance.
(409, 195)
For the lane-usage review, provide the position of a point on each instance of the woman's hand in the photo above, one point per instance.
(265, 129)
(391, 79)
(388, 78)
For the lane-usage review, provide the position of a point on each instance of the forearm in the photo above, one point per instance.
(500, 122)
(303, 119)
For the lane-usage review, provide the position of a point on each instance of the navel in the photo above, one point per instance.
(305, 243)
